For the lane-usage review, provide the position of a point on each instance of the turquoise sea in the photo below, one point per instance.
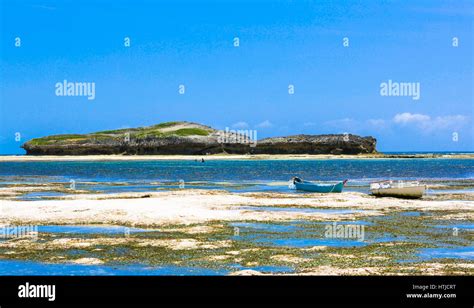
(442, 175)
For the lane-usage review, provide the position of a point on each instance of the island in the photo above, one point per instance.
(188, 138)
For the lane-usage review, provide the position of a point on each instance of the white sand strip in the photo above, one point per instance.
(197, 206)
(13, 158)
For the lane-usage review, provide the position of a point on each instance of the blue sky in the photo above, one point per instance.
(337, 88)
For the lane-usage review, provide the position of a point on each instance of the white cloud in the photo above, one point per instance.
(376, 122)
(240, 124)
(264, 124)
(450, 121)
(406, 117)
(422, 123)
(428, 124)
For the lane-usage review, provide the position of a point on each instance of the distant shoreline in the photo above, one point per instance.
(26, 158)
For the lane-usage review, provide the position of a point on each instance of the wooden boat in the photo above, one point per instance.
(410, 190)
(318, 187)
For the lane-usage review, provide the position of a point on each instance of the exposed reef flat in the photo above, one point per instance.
(240, 234)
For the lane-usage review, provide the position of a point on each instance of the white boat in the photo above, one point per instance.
(399, 189)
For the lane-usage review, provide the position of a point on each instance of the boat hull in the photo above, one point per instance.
(320, 188)
(413, 192)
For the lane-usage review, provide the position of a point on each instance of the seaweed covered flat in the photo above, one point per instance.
(223, 233)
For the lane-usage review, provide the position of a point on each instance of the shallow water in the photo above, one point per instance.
(309, 242)
(468, 226)
(411, 214)
(20, 268)
(264, 268)
(301, 210)
(238, 176)
(296, 234)
(40, 195)
(450, 252)
(265, 227)
(89, 229)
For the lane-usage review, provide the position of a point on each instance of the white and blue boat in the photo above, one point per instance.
(318, 187)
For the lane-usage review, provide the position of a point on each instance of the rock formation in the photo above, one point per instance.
(186, 138)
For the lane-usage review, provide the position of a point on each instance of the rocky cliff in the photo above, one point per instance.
(188, 138)
(317, 144)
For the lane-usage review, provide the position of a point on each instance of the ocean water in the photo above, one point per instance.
(451, 175)
(89, 229)
(20, 268)
(31, 268)
(466, 253)
(304, 234)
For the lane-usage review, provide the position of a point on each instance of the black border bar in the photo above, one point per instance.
(88, 291)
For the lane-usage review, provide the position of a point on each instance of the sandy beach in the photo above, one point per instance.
(21, 158)
(197, 206)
